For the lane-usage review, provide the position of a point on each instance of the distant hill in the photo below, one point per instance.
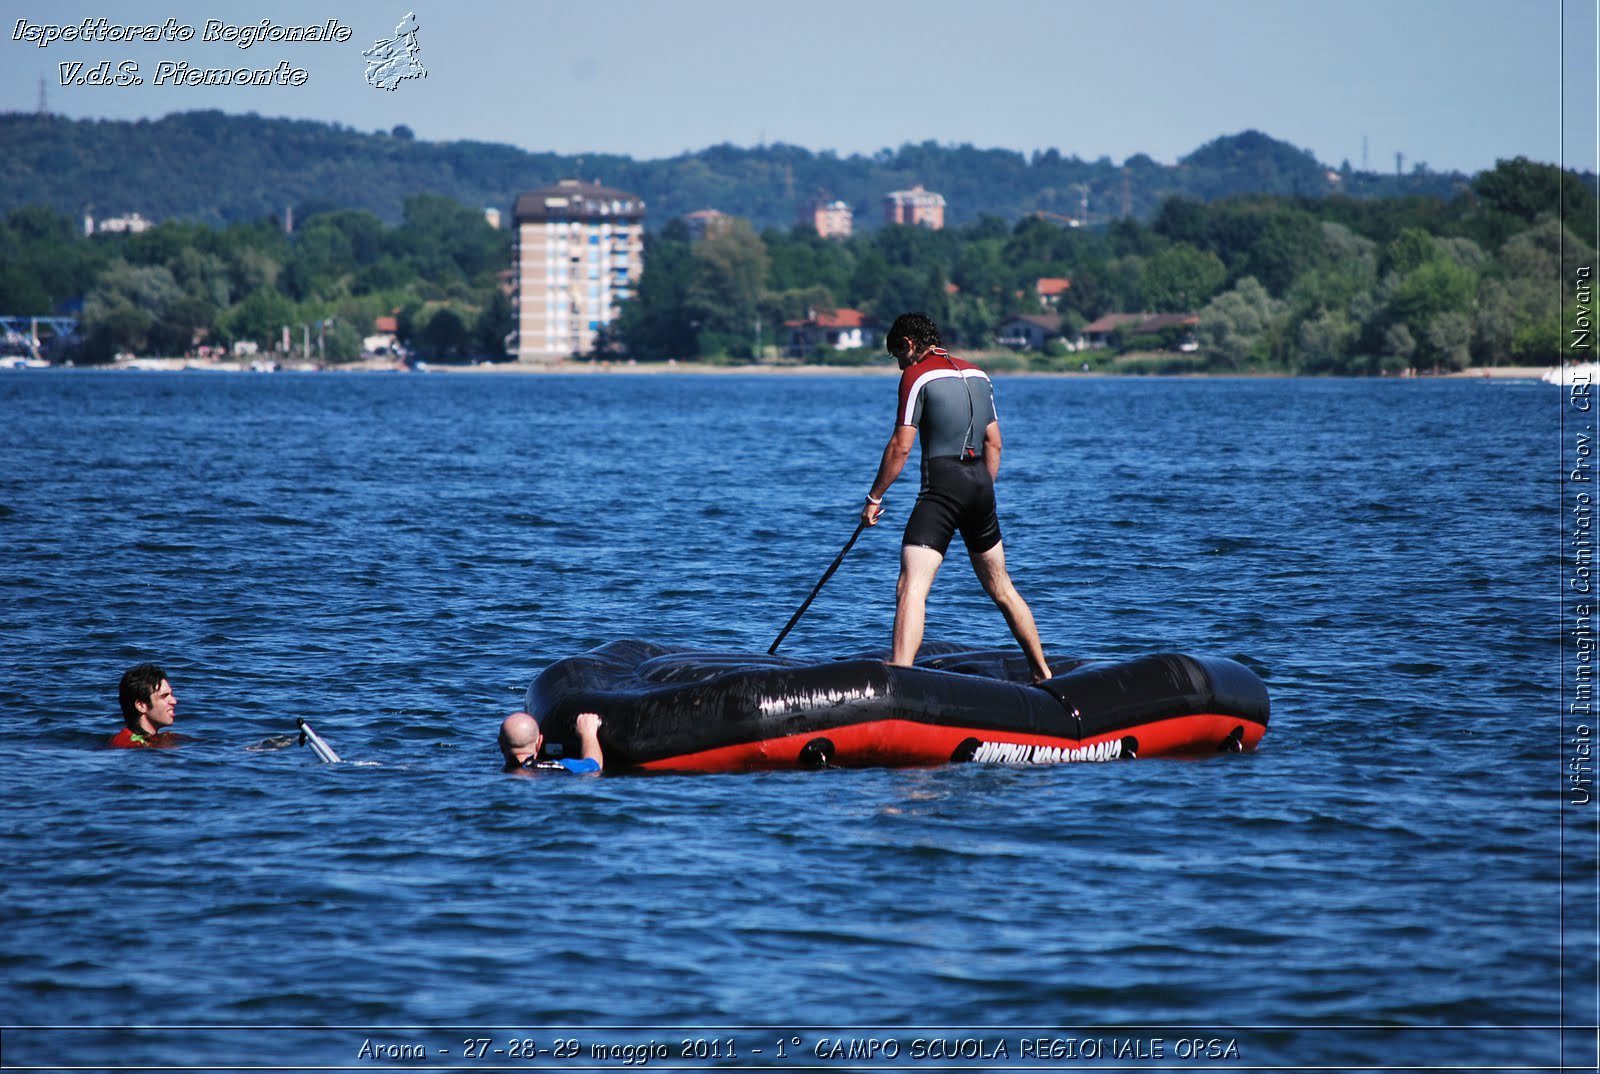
(216, 168)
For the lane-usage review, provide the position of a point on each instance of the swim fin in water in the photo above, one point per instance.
(308, 737)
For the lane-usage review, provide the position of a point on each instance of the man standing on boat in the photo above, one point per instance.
(951, 402)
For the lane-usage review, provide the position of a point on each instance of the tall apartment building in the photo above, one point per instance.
(578, 253)
(914, 206)
(831, 219)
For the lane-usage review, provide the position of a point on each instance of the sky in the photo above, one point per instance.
(1452, 84)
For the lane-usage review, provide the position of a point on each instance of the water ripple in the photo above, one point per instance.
(389, 558)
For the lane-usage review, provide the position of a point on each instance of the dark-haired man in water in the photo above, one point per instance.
(520, 739)
(148, 709)
(951, 402)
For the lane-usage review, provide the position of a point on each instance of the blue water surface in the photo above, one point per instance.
(395, 557)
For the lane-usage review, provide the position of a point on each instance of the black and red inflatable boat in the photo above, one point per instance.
(673, 709)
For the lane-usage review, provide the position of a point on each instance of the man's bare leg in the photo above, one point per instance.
(991, 570)
(918, 565)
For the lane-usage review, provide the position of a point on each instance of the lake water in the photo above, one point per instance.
(1400, 877)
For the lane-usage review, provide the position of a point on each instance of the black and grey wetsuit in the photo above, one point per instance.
(951, 403)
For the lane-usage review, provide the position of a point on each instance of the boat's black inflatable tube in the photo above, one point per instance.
(677, 709)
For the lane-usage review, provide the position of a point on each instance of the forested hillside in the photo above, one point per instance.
(215, 168)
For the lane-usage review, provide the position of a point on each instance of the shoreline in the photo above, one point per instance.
(600, 369)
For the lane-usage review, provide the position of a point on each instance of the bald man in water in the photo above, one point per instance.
(520, 739)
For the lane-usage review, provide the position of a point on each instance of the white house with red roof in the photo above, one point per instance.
(840, 330)
(1051, 288)
(385, 336)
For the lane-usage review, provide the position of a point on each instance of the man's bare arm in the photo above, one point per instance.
(589, 734)
(895, 454)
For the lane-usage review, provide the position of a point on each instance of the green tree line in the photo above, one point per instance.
(1294, 283)
(179, 284)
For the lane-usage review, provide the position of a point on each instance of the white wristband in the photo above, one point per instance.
(873, 502)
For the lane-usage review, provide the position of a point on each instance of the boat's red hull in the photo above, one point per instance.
(673, 710)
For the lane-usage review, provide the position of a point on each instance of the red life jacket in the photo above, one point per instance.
(129, 739)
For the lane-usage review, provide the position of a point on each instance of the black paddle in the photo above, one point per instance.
(824, 581)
